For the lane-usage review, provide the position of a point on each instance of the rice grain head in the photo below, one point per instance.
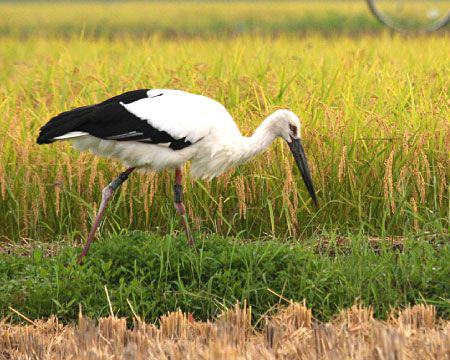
(342, 163)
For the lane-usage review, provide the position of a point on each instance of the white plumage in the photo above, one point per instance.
(182, 114)
(216, 141)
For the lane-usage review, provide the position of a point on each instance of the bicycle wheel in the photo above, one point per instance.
(412, 15)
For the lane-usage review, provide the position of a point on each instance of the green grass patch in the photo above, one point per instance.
(160, 274)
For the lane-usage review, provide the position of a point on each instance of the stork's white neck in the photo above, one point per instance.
(237, 149)
(262, 137)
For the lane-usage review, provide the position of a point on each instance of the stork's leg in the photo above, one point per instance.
(106, 196)
(179, 206)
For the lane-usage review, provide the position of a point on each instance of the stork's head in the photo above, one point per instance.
(286, 124)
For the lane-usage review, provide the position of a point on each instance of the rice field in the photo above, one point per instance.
(375, 128)
(185, 18)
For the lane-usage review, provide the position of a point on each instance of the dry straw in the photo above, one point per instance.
(290, 333)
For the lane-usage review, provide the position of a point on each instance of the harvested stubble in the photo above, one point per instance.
(290, 333)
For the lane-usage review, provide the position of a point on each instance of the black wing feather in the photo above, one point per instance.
(109, 120)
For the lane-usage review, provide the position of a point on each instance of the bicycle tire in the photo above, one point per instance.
(388, 22)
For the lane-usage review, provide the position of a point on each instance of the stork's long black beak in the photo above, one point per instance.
(300, 158)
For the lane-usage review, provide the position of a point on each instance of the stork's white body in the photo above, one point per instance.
(216, 141)
(158, 129)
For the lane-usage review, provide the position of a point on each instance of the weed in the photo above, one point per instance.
(160, 274)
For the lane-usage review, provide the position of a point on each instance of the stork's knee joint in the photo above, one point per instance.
(107, 191)
(119, 180)
(178, 193)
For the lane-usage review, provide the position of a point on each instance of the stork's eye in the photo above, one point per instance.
(293, 130)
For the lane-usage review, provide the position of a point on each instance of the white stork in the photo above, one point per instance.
(158, 129)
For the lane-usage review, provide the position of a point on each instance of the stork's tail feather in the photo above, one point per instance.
(64, 125)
